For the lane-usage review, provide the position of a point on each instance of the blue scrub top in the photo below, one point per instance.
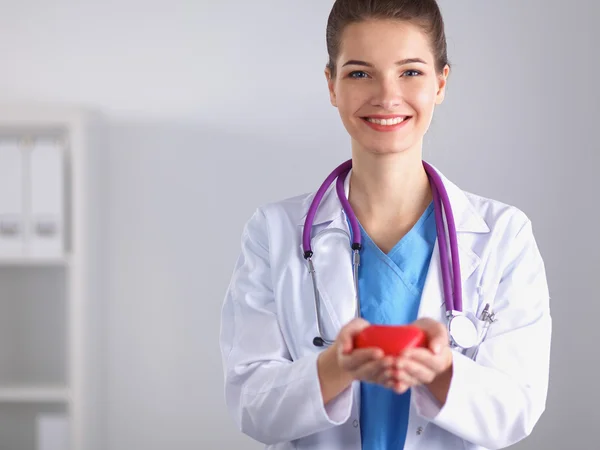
(390, 287)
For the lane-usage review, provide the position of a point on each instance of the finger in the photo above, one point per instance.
(347, 333)
(406, 378)
(397, 380)
(438, 342)
(370, 371)
(415, 373)
(437, 334)
(399, 387)
(360, 357)
(386, 377)
(436, 363)
(387, 371)
(373, 370)
(393, 374)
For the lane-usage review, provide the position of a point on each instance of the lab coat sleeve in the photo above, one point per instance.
(495, 400)
(271, 398)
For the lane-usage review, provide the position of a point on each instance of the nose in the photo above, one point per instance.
(387, 95)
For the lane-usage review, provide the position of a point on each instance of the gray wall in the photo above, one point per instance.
(231, 94)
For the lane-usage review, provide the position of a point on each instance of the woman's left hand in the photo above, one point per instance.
(430, 366)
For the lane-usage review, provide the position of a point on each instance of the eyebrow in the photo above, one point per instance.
(402, 62)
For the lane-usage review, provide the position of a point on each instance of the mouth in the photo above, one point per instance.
(386, 123)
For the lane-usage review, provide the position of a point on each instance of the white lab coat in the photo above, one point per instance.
(498, 391)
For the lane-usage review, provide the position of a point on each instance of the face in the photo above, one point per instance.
(386, 86)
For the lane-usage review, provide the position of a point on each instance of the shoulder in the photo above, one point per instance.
(485, 217)
(278, 216)
(497, 214)
(510, 236)
(292, 209)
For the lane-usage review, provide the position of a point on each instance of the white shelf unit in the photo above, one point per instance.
(51, 314)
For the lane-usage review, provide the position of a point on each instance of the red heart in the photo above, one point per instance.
(392, 339)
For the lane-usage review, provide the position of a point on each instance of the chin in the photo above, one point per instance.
(386, 148)
(383, 143)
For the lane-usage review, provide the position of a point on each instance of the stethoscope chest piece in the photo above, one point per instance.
(462, 331)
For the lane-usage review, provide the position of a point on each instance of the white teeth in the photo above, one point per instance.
(386, 122)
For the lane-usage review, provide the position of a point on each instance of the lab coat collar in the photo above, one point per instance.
(465, 216)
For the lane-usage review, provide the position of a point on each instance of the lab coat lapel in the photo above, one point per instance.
(432, 299)
(467, 221)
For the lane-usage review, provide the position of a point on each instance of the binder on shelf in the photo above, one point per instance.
(46, 212)
(11, 199)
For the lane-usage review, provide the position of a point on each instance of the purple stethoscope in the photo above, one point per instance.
(463, 332)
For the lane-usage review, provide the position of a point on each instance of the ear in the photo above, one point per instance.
(442, 81)
(331, 87)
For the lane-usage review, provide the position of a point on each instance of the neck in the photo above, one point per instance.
(388, 188)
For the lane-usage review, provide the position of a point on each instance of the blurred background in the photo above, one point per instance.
(198, 112)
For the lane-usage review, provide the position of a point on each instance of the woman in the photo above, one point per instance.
(387, 71)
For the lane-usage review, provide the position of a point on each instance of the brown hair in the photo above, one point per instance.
(424, 13)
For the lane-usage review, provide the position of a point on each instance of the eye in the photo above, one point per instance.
(357, 74)
(411, 73)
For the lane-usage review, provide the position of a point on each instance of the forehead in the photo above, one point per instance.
(384, 41)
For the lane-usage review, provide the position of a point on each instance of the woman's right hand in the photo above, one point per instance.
(363, 364)
(341, 364)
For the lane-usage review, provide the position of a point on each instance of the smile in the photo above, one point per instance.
(386, 124)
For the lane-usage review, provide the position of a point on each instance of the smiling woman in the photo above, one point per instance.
(375, 247)
(384, 72)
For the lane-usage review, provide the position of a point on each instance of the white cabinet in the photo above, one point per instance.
(51, 311)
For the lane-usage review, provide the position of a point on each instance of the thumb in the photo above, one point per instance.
(437, 334)
(438, 342)
(347, 333)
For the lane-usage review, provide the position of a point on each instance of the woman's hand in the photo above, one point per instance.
(341, 364)
(363, 364)
(430, 366)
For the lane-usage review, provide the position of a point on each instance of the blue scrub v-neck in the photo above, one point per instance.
(390, 287)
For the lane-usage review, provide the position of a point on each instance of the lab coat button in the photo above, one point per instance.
(355, 423)
(419, 431)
